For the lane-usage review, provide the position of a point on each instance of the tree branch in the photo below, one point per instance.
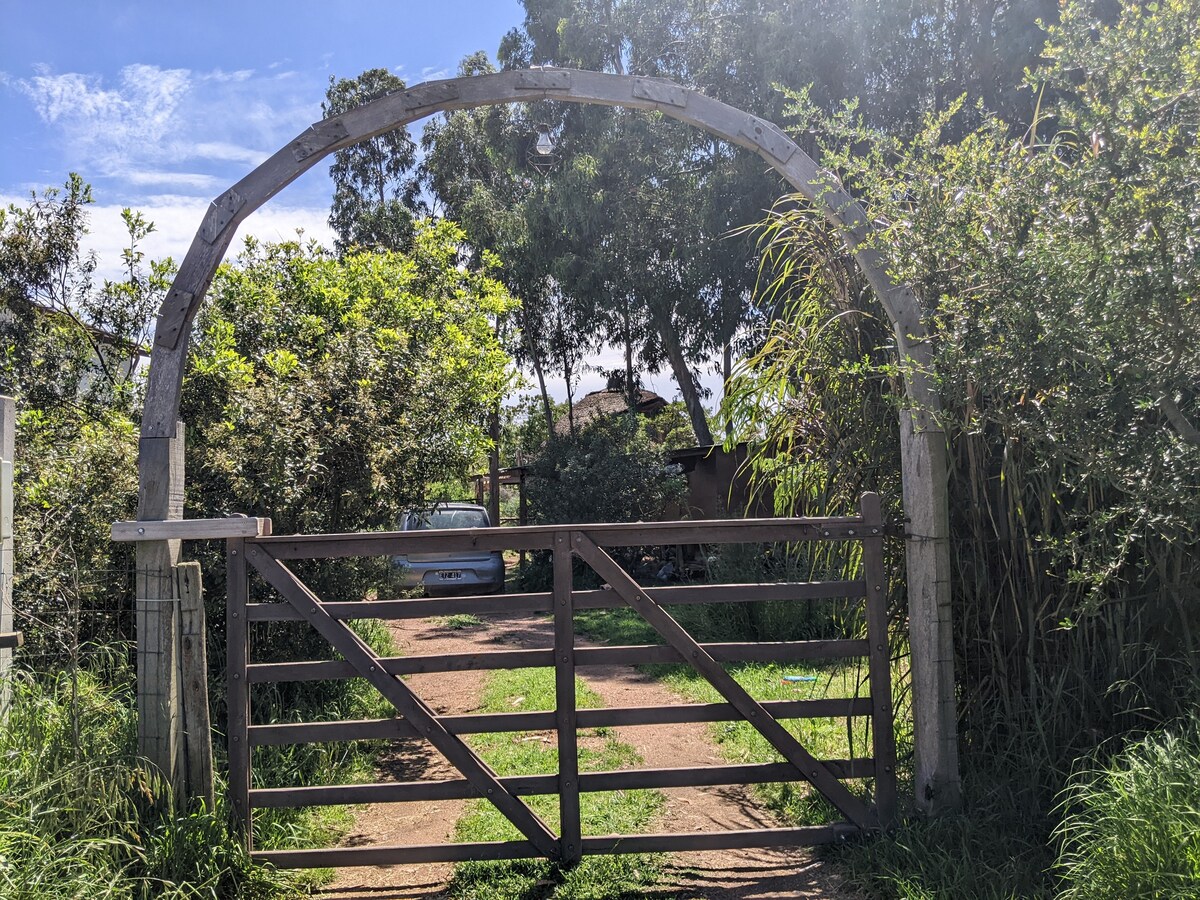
(1179, 421)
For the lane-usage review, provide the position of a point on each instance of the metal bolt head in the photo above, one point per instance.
(236, 676)
(851, 531)
(235, 615)
(141, 531)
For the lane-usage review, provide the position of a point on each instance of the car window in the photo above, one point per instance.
(449, 518)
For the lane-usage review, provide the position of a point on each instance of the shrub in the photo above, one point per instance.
(82, 817)
(1132, 826)
(608, 472)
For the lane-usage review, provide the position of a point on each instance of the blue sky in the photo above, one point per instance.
(162, 105)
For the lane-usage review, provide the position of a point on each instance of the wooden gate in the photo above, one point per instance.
(269, 555)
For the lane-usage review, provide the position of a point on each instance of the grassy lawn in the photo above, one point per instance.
(596, 878)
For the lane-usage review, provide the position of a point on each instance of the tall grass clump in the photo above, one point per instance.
(1131, 825)
(82, 816)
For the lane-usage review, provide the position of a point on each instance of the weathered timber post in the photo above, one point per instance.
(924, 462)
(159, 729)
(193, 663)
(8, 444)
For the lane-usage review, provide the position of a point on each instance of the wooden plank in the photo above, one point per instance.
(677, 595)
(393, 729)
(883, 734)
(541, 537)
(762, 651)
(191, 529)
(937, 781)
(358, 654)
(156, 610)
(541, 785)
(758, 717)
(810, 835)
(193, 661)
(345, 857)
(237, 654)
(570, 846)
(11, 639)
(488, 660)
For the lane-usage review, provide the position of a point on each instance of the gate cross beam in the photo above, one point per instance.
(408, 704)
(700, 660)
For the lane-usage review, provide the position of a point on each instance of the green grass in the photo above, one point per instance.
(81, 817)
(595, 878)
(1131, 826)
(460, 622)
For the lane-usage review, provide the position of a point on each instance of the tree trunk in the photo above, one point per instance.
(727, 373)
(494, 466)
(683, 375)
(547, 407)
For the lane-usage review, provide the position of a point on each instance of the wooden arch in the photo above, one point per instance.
(922, 442)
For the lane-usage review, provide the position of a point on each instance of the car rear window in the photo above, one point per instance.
(449, 518)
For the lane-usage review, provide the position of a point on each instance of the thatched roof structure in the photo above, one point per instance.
(607, 403)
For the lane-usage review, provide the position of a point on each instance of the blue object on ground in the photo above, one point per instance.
(799, 677)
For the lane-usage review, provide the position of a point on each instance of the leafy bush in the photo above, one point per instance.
(81, 816)
(1132, 826)
(608, 472)
(1060, 271)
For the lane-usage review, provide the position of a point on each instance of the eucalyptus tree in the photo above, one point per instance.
(376, 194)
(476, 166)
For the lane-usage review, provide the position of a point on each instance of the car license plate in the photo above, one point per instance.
(450, 575)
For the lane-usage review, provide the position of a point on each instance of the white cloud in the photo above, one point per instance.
(194, 180)
(155, 120)
(139, 110)
(227, 152)
(176, 219)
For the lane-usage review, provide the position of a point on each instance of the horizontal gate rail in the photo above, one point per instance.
(541, 537)
(592, 846)
(535, 785)
(489, 723)
(543, 602)
(266, 554)
(635, 655)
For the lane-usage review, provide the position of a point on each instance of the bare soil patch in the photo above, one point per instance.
(714, 875)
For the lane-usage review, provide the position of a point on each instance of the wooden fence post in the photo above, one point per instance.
(193, 661)
(8, 442)
(160, 735)
(924, 459)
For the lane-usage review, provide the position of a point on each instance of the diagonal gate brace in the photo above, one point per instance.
(408, 704)
(753, 711)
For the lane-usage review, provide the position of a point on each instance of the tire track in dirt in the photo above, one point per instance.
(760, 874)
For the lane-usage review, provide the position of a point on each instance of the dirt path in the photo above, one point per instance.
(713, 875)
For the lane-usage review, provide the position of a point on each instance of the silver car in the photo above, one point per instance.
(459, 571)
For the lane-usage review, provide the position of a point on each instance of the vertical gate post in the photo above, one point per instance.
(8, 443)
(193, 664)
(924, 461)
(237, 656)
(160, 735)
(883, 735)
(570, 840)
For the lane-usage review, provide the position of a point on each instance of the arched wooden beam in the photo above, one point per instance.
(922, 444)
